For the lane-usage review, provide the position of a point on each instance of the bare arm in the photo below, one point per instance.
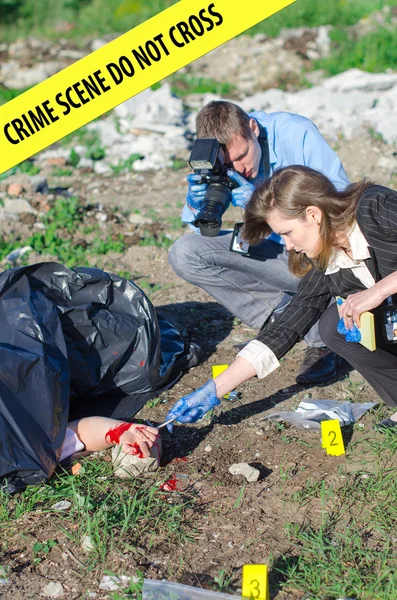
(98, 433)
(239, 371)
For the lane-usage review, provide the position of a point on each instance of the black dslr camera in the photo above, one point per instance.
(207, 159)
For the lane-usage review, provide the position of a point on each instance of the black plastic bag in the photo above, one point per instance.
(73, 343)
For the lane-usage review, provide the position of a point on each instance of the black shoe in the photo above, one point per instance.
(319, 366)
(386, 424)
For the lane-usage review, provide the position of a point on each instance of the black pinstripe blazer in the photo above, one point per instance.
(377, 218)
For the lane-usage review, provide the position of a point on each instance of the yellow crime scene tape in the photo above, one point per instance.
(121, 69)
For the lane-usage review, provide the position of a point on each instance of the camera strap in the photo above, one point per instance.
(264, 144)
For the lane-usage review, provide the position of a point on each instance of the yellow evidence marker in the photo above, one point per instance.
(217, 370)
(332, 439)
(256, 582)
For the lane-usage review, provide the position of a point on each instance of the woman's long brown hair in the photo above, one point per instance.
(291, 190)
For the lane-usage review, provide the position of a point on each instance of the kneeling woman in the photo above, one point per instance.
(341, 244)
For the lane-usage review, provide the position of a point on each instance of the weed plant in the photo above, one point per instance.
(119, 516)
(63, 223)
(92, 18)
(351, 551)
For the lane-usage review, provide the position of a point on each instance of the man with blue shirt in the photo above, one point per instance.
(254, 287)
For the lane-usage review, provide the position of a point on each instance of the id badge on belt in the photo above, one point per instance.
(238, 244)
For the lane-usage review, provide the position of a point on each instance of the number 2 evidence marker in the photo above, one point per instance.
(332, 439)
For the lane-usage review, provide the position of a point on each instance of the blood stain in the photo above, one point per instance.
(169, 485)
(142, 363)
(136, 449)
(113, 435)
(180, 459)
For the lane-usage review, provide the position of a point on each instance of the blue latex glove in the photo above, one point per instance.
(242, 194)
(191, 408)
(351, 335)
(196, 191)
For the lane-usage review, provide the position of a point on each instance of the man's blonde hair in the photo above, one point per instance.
(222, 121)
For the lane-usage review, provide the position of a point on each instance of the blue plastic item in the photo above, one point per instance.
(351, 335)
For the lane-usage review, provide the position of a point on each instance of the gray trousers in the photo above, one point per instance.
(250, 287)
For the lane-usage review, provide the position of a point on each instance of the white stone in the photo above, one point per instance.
(15, 77)
(61, 505)
(18, 206)
(148, 164)
(387, 163)
(137, 219)
(53, 590)
(149, 107)
(86, 543)
(387, 128)
(54, 153)
(70, 54)
(130, 465)
(250, 473)
(115, 582)
(101, 168)
(356, 79)
(85, 162)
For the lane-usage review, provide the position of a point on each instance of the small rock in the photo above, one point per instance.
(15, 189)
(53, 590)
(3, 577)
(86, 544)
(208, 448)
(137, 219)
(61, 505)
(114, 582)
(75, 470)
(39, 184)
(101, 168)
(259, 432)
(389, 164)
(250, 473)
(18, 207)
(57, 161)
(130, 465)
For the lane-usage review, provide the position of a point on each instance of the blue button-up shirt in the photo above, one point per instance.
(293, 140)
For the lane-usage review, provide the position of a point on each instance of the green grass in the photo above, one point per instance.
(305, 13)
(350, 551)
(7, 94)
(183, 84)
(120, 516)
(64, 224)
(374, 52)
(126, 165)
(97, 17)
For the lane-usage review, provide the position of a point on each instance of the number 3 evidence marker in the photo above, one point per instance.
(255, 582)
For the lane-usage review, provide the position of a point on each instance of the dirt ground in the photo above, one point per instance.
(235, 522)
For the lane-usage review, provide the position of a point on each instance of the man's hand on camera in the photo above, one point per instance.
(242, 194)
(196, 191)
(192, 407)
